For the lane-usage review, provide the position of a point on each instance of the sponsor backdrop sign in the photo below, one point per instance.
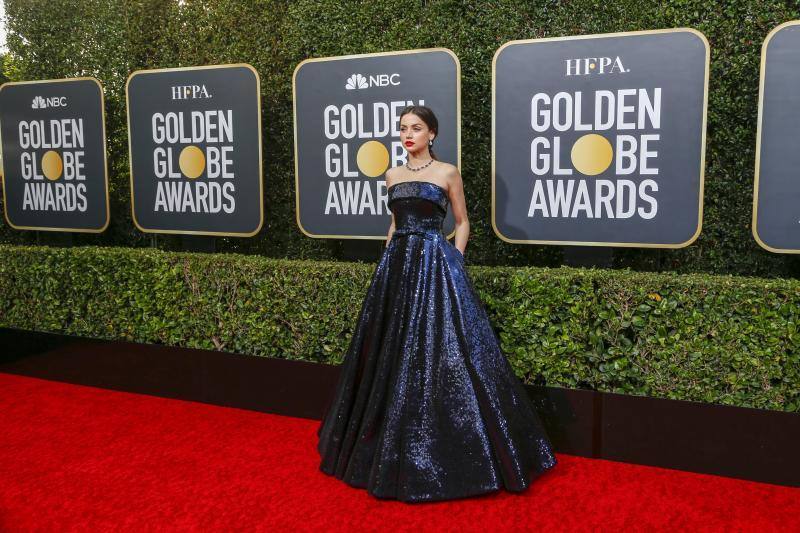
(776, 197)
(600, 139)
(347, 119)
(195, 150)
(54, 155)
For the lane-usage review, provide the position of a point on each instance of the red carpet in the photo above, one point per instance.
(82, 458)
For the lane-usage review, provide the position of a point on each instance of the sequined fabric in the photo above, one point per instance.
(427, 407)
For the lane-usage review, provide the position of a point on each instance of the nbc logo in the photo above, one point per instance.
(356, 81)
(53, 101)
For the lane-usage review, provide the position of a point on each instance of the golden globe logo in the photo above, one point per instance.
(54, 181)
(203, 142)
(586, 66)
(622, 117)
(356, 129)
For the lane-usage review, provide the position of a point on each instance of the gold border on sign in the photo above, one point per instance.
(105, 159)
(260, 157)
(754, 223)
(360, 56)
(702, 147)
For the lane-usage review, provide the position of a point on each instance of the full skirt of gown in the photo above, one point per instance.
(427, 407)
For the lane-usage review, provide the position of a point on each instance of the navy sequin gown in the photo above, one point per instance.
(427, 407)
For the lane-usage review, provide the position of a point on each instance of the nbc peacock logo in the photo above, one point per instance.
(40, 102)
(359, 81)
(356, 81)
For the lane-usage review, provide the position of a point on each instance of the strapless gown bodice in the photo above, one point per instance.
(418, 207)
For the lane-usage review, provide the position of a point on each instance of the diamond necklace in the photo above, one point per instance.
(417, 169)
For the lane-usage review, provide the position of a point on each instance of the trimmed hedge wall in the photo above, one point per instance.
(721, 339)
(110, 38)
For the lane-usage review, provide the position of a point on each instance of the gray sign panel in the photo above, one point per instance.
(195, 150)
(600, 139)
(776, 196)
(54, 155)
(346, 119)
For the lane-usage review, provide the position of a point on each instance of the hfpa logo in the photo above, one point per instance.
(43, 103)
(359, 81)
(595, 65)
(185, 92)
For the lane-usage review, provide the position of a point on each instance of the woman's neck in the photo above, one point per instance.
(420, 158)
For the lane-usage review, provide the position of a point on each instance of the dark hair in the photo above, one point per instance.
(426, 114)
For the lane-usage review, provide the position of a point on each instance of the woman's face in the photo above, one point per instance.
(414, 133)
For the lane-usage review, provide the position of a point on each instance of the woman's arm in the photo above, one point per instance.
(391, 227)
(391, 231)
(459, 205)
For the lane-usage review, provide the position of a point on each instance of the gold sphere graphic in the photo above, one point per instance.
(52, 166)
(592, 154)
(372, 159)
(192, 162)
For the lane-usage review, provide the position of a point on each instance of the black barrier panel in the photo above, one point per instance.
(54, 155)
(599, 140)
(346, 119)
(195, 150)
(776, 194)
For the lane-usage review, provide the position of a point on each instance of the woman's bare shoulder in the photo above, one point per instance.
(449, 174)
(391, 176)
(447, 170)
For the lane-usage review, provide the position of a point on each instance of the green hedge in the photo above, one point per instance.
(110, 38)
(721, 339)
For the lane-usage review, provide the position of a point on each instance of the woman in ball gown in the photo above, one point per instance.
(427, 407)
